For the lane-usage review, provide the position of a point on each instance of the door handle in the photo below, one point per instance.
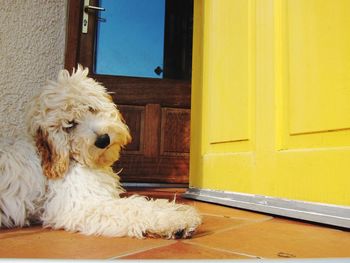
(88, 8)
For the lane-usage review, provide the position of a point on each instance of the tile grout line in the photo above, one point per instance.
(141, 250)
(239, 218)
(239, 226)
(221, 249)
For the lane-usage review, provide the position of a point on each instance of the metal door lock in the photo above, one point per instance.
(88, 9)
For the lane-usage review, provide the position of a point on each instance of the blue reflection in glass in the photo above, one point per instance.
(130, 39)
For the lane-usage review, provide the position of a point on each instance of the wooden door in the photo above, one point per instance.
(274, 119)
(157, 111)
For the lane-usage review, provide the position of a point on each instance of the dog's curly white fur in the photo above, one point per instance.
(61, 172)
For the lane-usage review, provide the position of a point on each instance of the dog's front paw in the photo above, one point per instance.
(179, 234)
(181, 222)
(183, 233)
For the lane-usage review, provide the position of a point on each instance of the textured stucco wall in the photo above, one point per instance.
(32, 44)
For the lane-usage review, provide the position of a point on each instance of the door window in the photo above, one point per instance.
(144, 38)
(130, 38)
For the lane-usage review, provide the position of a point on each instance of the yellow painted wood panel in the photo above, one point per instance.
(229, 73)
(317, 55)
(314, 67)
(298, 144)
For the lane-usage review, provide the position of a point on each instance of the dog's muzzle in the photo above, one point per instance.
(102, 141)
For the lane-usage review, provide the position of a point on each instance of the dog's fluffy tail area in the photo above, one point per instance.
(21, 182)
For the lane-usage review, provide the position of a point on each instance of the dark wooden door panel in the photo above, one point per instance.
(134, 116)
(159, 151)
(175, 132)
(141, 91)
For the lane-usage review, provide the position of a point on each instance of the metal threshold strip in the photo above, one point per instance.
(153, 185)
(316, 212)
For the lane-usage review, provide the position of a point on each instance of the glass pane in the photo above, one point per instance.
(130, 38)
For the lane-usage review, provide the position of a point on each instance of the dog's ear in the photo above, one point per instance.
(54, 161)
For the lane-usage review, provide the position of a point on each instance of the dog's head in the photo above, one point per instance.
(75, 118)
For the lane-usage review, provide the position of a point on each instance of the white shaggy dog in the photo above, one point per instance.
(61, 174)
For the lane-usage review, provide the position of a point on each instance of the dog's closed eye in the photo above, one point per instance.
(92, 110)
(70, 125)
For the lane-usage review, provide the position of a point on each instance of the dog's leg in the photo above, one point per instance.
(134, 216)
(84, 201)
(161, 218)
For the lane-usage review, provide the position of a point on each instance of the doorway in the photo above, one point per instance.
(142, 53)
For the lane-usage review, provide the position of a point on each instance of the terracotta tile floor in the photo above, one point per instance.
(226, 233)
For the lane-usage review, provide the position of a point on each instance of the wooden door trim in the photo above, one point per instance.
(73, 33)
(152, 130)
(142, 91)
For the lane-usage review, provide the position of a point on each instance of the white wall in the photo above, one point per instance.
(32, 45)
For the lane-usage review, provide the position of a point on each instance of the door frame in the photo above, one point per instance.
(168, 93)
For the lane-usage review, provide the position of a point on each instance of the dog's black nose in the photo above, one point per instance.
(102, 141)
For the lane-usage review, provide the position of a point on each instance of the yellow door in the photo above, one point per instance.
(271, 101)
